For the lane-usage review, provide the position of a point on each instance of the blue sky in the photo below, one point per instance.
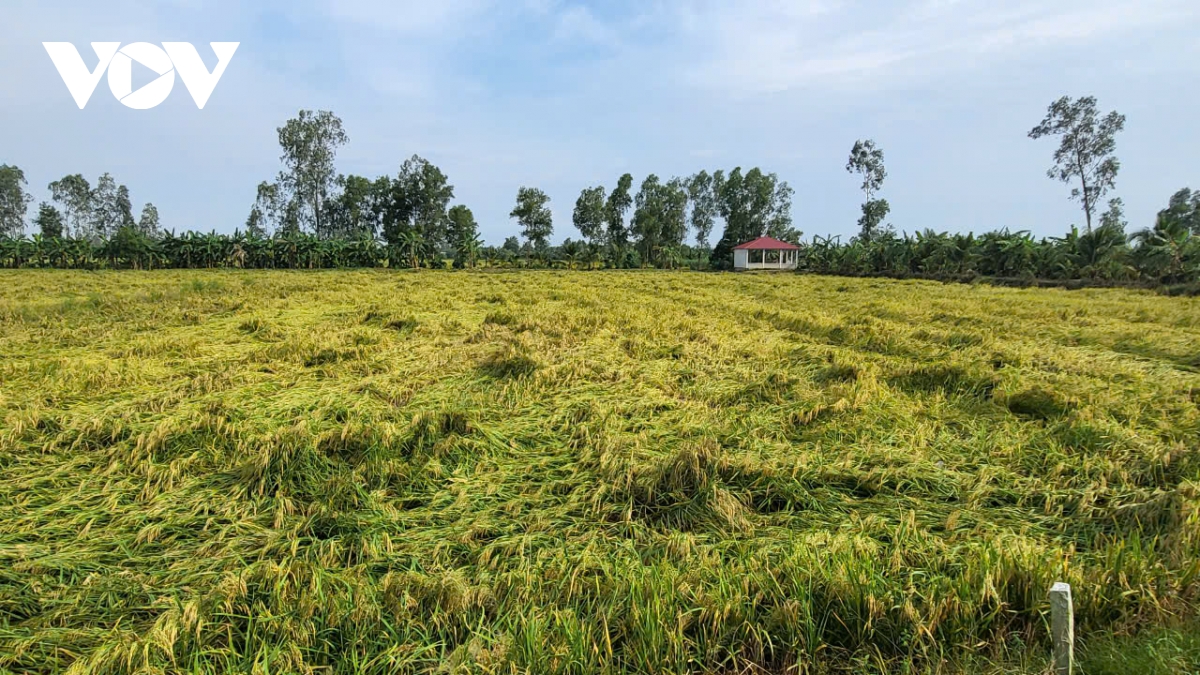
(564, 94)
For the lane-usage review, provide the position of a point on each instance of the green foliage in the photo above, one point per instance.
(703, 200)
(534, 217)
(417, 204)
(660, 220)
(751, 205)
(49, 222)
(589, 214)
(1183, 211)
(619, 202)
(149, 224)
(1162, 651)
(357, 209)
(74, 194)
(1167, 254)
(109, 208)
(870, 224)
(866, 159)
(1086, 151)
(14, 201)
(464, 236)
(309, 144)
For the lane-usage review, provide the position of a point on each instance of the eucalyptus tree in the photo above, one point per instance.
(660, 218)
(534, 217)
(14, 201)
(779, 222)
(751, 205)
(464, 236)
(310, 142)
(74, 194)
(1114, 217)
(148, 224)
(107, 214)
(703, 198)
(265, 214)
(866, 159)
(619, 203)
(1086, 152)
(125, 208)
(590, 213)
(416, 200)
(49, 222)
(254, 224)
(356, 209)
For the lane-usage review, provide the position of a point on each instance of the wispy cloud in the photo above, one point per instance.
(755, 47)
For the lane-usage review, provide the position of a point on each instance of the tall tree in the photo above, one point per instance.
(704, 206)
(590, 212)
(779, 221)
(310, 142)
(417, 201)
(659, 223)
(464, 235)
(254, 224)
(1114, 218)
(148, 224)
(355, 211)
(125, 207)
(619, 202)
(14, 201)
(531, 212)
(74, 194)
(866, 159)
(49, 222)
(1085, 153)
(750, 204)
(106, 211)
(265, 213)
(870, 223)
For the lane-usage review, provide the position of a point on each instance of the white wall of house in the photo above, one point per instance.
(744, 259)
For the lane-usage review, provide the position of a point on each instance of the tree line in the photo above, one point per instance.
(310, 216)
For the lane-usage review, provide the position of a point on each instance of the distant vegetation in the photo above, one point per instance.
(312, 217)
(554, 472)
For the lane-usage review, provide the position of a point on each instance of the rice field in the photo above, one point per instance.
(589, 472)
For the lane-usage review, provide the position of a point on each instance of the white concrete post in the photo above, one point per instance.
(1062, 628)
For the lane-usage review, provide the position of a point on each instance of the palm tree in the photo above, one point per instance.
(1168, 251)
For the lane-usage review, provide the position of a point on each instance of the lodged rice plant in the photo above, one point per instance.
(611, 472)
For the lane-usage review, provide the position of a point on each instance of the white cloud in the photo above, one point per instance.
(769, 45)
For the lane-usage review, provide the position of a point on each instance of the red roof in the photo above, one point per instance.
(766, 244)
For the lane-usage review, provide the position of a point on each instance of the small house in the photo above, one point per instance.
(766, 253)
